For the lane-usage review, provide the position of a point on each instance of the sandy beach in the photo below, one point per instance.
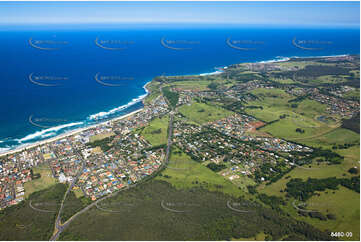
(73, 132)
(67, 134)
(70, 133)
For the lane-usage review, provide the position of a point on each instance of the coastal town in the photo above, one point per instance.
(180, 120)
(131, 158)
(228, 125)
(103, 171)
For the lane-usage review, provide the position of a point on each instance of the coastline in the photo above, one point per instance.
(69, 133)
(75, 131)
(78, 130)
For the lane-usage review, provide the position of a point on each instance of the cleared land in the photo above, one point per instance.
(183, 172)
(347, 214)
(101, 136)
(46, 180)
(156, 132)
(203, 113)
(344, 203)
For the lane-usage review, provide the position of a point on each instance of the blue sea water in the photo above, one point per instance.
(57, 79)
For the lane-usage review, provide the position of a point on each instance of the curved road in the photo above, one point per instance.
(59, 228)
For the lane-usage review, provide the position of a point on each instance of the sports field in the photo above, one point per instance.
(203, 113)
(156, 132)
(46, 180)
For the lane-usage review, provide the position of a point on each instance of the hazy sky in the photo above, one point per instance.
(276, 13)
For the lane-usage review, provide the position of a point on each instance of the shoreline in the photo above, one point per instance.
(23, 147)
(288, 58)
(78, 130)
(66, 134)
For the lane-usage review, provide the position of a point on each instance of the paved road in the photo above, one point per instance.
(169, 143)
(59, 228)
(65, 224)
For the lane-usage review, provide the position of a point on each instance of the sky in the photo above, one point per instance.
(258, 13)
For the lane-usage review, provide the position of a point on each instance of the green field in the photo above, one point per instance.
(336, 136)
(286, 128)
(331, 137)
(312, 171)
(332, 202)
(46, 180)
(153, 88)
(300, 64)
(201, 85)
(329, 79)
(274, 102)
(344, 209)
(184, 173)
(355, 94)
(243, 182)
(267, 114)
(78, 193)
(316, 134)
(343, 203)
(310, 108)
(101, 136)
(156, 132)
(283, 81)
(203, 113)
(347, 211)
(305, 117)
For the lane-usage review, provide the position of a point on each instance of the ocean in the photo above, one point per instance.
(56, 79)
